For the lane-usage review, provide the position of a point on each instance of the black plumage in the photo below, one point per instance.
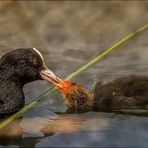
(122, 93)
(129, 92)
(17, 68)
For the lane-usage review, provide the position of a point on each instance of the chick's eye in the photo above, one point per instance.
(35, 61)
(74, 84)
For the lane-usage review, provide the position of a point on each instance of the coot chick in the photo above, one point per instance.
(130, 92)
(17, 68)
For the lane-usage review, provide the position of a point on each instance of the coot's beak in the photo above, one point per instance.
(48, 75)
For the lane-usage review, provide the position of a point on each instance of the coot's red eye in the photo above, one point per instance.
(35, 61)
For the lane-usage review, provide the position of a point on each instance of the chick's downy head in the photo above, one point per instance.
(76, 97)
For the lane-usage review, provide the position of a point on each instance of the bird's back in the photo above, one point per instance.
(124, 92)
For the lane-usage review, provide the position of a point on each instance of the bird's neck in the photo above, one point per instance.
(12, 96)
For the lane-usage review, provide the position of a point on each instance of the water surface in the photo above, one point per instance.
(69, 34)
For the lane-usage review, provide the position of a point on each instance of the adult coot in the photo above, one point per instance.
(130, 92)
(17, 68)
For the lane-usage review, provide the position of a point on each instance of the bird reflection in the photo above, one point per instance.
(21, 131)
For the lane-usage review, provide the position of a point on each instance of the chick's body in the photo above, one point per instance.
(122, 93)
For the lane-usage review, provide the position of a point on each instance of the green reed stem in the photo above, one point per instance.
(93, 61)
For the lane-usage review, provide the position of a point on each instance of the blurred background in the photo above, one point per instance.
(69, 34)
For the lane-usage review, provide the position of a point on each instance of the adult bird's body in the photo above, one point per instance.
(17, 68)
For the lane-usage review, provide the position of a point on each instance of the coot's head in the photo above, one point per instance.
(76, 97)
(25, 65)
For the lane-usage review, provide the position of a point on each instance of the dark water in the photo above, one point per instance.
(69, 34)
